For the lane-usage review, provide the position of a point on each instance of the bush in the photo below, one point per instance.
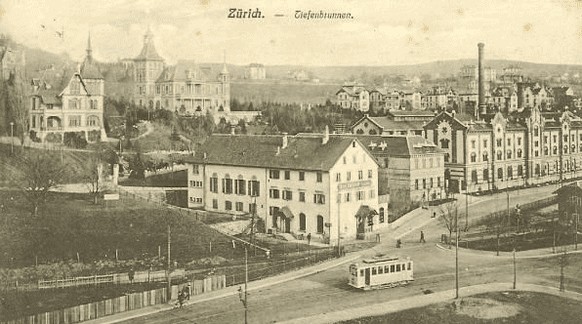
(75, 140)
(94, 135)
(54, 138)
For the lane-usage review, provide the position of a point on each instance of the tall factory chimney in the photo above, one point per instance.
(482, 105)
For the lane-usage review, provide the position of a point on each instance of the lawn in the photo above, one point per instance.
(498, 307)
(71, 224)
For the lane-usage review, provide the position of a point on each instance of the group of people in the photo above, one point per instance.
(183, 295)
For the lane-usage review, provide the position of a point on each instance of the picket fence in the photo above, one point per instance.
(116, 278)
(133, 301)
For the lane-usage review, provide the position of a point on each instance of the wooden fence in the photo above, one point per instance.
(77, 314)
(116, 278)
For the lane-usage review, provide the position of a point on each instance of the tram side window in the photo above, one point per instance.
(391, 268)
(386, 269)
(361, 272)
(380, 270)
(373, 270)
(408, 265)
(397, 267)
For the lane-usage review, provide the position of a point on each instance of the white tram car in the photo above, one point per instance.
(381, 272)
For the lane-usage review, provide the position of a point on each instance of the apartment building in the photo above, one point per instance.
(295, 184)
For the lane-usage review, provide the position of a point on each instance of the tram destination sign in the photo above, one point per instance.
(355, 184)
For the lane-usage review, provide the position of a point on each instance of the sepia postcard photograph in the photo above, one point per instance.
(254, 161)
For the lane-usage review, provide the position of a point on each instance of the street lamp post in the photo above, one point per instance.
(457, 254)
(12, 137)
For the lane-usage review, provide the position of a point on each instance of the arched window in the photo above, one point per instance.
(444, 143)
(519, 153)
(519, 170)
(573, 148)
(473, 157)
(474, 176)
(92, 121)
(302, 222)
(485, 157)
(381, 215)
(509, 154)
(499, 155)
(500, 173)
(319, 224)
(546, 151)
(372, 132)
(360, 131)
(536, 131)
(447, 156)
(555, 150)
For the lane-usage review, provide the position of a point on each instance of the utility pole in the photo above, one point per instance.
(467, 209)
(169, 278)
(339, 254)
(457, 254)
(12, 138)
(514, 265)
(576, 224)
(243, 296)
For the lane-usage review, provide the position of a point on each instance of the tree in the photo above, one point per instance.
(496, 222)
(16, 102)
(93, 171)
(449, 217)
(39, 172)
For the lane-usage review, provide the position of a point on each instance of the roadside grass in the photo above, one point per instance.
(498, 307)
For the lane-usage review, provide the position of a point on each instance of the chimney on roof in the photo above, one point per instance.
(285, 141)
(482, 105)
(325, 136)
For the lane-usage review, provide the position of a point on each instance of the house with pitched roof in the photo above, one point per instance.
(76, 110)
(394, 123)
(323, 185)
(354, 96)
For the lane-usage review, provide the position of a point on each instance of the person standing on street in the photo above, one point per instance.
(422, 237)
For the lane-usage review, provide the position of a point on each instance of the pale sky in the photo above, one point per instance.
(384, 32)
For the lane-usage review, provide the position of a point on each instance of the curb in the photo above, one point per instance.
(504, 254)
(398, 305)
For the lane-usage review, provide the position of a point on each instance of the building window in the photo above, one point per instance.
(519, 170)
(372, 193)
(338, 177)
(227, 185)
(438, 182)
(519, 153)
(509, 172)
(348, 176)
(274, 193)
(370, 174)
(360, 175)
(447, 157)
(555, 150)
(253, 208)
(215, 203)
(195, 169)
(444, 143)
(348, 197)
(319, 177)
(302, 222)
(254, 188)
(509, 154)
(214, 183)
(546, 150)
(381, 215)
(423, 183)
(485, 175)
(319, 198)
(302, 196)
(500, 173)
(416, 184)
(239, 206)
(287, 195)
(485, 157)
(473, 144)
(240, 187)
(474, 176)
(499, 142)
(485, 143)
(473, 157)
(301, 176)
(360, 195)
(273, 174)
(545, 139)
(519, 141)
(509, 142)
(228, 205)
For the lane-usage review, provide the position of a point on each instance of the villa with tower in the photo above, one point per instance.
(72, 113)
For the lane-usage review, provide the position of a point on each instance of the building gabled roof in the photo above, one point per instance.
(49, 96)
(90, 70)
(188, 70)
(301, 152)
(401, 146)
(148, 51)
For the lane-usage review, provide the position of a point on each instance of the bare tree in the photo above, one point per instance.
(95, 170)
(39, 172)
(496, 222)
(17, 104)
(449, 217)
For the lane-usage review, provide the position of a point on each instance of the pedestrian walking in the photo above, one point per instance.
(422, 237)
(309, 239)
(181, 299)
(131, 275)
(378, 237)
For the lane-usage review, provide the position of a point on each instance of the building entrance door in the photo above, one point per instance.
(367, 276)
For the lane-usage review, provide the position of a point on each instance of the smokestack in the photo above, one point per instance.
(482, 106)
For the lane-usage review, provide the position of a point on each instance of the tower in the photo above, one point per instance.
(149, 65)
(225, 83)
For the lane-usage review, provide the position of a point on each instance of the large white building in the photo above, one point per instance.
(297, 185)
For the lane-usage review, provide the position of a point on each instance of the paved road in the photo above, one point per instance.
(328, 291)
